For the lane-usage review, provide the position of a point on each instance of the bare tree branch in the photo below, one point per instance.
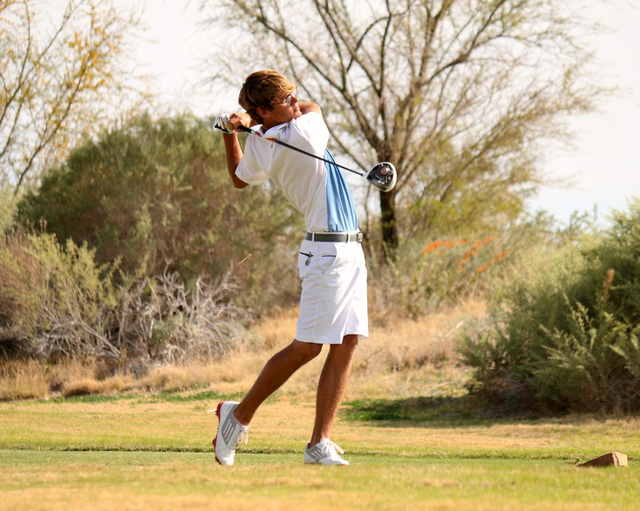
(414, 81)
(55, 78)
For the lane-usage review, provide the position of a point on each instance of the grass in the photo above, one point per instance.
(415, 440)
(147, 452)
(39, 481)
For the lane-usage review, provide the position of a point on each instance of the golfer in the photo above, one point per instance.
(333, 305)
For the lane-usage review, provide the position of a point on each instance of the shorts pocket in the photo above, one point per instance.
(317, 263)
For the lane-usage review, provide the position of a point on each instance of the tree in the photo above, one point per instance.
(54, 78)
(155, 196)
(456, 93)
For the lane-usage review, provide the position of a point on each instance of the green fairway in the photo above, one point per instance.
(141, 480)
(154, 453)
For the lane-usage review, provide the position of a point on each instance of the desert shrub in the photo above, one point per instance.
(163, 320)
(564, 332)
(156, 196)
(429, 271)
(51, 296)
(56, 302)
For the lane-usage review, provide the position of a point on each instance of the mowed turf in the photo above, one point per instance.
(155, 453)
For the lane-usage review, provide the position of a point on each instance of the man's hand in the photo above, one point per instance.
(229, 123)
(222, 123)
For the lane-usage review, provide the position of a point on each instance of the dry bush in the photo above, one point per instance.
(56, 302)
(430, 271)
(52, 298)
(424, 275)
(28, 379)
(161, 320)
(84, 387)
(234, 372)
(89, 386)
(279, 329)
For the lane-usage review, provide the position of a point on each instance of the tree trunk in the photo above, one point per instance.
(388, 219)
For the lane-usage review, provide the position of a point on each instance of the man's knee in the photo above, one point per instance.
(306, 350)
(350, 342)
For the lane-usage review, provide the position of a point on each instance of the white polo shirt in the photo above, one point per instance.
(315, 188)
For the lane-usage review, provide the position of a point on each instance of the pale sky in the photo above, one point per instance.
(604, 164)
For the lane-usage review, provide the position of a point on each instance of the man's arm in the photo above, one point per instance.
(233, 149)
(305, 108)
(234, 155)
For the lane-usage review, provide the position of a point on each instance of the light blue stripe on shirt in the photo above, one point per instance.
(341, 211)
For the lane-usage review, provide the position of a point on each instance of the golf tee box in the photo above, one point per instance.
(612, 459)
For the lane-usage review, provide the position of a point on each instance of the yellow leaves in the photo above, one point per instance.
(58, 72)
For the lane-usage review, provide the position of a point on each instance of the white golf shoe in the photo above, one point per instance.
(325, 452)
(230, 433)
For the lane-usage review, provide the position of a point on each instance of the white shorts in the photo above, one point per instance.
(334, 292)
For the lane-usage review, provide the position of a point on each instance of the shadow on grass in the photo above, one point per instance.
(431, 411)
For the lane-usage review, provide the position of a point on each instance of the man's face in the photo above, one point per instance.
(285, 109)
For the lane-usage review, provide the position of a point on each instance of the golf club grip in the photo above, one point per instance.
(284, 144)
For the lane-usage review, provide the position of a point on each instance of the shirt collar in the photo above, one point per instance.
(272, 132)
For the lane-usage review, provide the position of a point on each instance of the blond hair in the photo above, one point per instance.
(261, 89)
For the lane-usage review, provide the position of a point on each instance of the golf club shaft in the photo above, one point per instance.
(284, 144)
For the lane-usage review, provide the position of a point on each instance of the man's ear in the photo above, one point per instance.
(263, 112)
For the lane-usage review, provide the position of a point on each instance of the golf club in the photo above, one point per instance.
(382, 175)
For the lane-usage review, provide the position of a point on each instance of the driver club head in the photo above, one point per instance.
(383, 176)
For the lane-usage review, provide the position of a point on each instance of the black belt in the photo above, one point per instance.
(334, 237)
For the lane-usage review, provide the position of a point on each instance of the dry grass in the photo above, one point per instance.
(34, 379)
(22, 380)
(400, 359)
(404, 359)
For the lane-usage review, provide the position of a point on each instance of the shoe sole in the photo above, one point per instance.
(216, 437)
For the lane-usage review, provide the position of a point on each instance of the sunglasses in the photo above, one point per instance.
(287, 101)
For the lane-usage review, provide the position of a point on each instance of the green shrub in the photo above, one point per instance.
(564, 332)
(156, 196)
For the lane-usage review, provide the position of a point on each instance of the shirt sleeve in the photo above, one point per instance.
(248, 169)
(310, 128)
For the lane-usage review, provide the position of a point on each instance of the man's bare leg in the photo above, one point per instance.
(331, 387)
(275, 373)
